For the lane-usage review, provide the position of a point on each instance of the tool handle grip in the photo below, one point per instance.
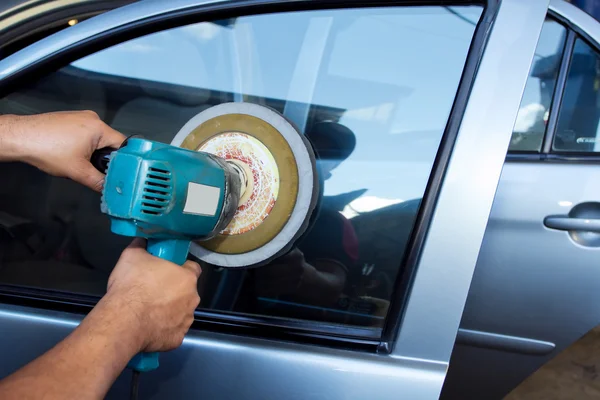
(101, 157)
(176, 251)
(144, 362)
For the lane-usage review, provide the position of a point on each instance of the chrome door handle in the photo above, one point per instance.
(572, 224)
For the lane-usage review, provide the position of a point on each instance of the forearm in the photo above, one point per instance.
(10, 150)
(86, 363)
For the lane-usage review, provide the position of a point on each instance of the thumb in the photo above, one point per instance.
(137, 243)
(110, 137)
(193, 267)
(86, 174)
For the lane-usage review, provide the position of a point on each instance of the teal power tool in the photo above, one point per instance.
(170, 196)
(241, 195)
(238, 192)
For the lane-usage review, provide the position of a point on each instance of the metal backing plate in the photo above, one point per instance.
(296, 193)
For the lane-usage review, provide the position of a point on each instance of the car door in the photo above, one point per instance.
(535, 288)
(374, 310)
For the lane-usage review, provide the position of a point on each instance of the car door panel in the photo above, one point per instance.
(413, 355)
(543, 286)
(219, 366)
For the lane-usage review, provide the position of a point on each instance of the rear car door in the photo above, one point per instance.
(535, 288)
(410, 146)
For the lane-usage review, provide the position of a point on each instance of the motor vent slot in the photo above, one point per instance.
(157, 191)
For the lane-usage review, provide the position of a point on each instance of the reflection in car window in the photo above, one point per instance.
(530, 127)
(371, 88)
(577, 128)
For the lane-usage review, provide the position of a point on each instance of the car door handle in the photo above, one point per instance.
(572, 224)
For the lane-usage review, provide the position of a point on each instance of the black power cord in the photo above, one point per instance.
(135, 384)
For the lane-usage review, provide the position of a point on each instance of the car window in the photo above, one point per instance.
(530, 127)
(577, 128)
(357, 83)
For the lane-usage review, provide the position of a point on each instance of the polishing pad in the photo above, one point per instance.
(282, 188)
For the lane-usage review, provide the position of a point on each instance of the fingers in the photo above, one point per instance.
(194, 267)
(110, 137)
(85, 173)
(297, 252)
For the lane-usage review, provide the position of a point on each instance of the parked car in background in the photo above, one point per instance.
(411, 109)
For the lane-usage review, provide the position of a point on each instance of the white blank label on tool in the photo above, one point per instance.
(202, 199)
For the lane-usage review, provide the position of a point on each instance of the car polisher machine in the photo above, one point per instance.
(235, 188)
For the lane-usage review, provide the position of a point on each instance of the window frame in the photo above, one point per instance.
(547, 153)
(304, 331)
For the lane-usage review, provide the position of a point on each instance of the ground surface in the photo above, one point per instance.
(574, 374)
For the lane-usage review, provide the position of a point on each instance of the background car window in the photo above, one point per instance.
(577, 128)
(356, 82)
(530, 127)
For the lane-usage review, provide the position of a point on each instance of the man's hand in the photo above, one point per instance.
(149, 307)
(159, 296)
(59, 143)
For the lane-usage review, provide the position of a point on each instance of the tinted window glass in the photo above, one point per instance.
(577, 128)
(358, 83)
(530, 127)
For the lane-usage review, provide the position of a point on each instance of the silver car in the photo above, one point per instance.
(435, 264)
